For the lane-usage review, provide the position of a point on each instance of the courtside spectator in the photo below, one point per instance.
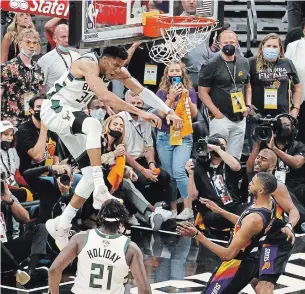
(55, 63)
(224, 88)
(272, 76)
(36, 145)
(97, 109)
(152, 181)
(215, 179)
(10, 47)
(174, 147)
(21, 79)
(32, 244)
(10, 162)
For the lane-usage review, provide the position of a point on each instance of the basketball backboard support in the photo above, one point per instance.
(98, 23)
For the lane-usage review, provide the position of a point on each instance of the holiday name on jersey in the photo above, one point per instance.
(97, 252)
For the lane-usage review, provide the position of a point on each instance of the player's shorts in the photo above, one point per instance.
(273, 260)
(66, 122)
(232, 276)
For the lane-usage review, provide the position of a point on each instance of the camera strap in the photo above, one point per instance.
(234, 74)
(8, 169)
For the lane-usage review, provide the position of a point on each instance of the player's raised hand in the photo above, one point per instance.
(123, 74)
(154, 120)
(175, 119)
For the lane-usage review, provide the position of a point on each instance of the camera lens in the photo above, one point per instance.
(65, 180)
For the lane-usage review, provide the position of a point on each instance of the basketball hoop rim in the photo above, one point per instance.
(165, 22)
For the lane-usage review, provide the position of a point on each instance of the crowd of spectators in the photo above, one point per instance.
(166, 171)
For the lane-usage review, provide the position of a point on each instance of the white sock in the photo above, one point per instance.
(67, 216)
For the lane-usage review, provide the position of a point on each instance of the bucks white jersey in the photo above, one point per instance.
(101, 266)
(74, 91)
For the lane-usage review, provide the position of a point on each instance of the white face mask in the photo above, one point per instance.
(99, 114)
(27, 53)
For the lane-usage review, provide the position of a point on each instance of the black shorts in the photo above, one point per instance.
(273, 260)
(232, 276)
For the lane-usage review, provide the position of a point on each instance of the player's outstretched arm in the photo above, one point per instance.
(148, 97)
(90, 71)
(137, 269)
(251, 225)
(65, 257)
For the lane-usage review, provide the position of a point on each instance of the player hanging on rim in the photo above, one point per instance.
(104, 257)
(62, 113)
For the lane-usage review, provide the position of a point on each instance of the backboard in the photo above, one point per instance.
(98, 23)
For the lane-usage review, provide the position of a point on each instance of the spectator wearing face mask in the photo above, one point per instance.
(10, 162)
(10, 43)
(36, 145)
(59, 60)
(21, 78)
(275, 83)
(97, 109)
(225, 90)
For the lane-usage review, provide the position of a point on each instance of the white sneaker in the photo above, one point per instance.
(100, 195)
(156, 220)
(60, 235)
(22, 277)
(185, 214)
(166, 214)
(174, 214)
(133, 221)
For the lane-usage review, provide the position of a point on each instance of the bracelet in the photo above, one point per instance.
(11, 203)
(289, 225)
(197, 233)
(142, 169)
(151, 163)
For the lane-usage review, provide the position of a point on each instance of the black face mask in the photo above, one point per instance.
(228, 50)
(37, 114)
(5, 145)
(115, 134)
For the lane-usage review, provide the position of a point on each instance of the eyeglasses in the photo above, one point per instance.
(28, 42)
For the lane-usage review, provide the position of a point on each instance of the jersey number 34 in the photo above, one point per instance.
(99, 274)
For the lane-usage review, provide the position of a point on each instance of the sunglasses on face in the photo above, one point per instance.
(28, 43)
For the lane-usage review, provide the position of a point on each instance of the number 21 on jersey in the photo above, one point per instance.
(98, 272)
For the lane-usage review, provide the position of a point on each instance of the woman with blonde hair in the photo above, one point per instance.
(9, 44)
(174, 146)
(274, 80)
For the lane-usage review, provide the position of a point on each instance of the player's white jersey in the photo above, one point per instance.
(101, 266)
(74, 91)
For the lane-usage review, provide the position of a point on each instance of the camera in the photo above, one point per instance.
(201, 150)
(63, 178)
(267, 125)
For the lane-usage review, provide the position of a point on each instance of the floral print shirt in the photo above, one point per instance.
(19, 82)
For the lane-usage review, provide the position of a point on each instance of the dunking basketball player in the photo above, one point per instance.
(62, 113)
(240, 264)
(104, 257)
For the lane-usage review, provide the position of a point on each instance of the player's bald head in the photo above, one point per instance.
(265, 161)
(270, 155)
